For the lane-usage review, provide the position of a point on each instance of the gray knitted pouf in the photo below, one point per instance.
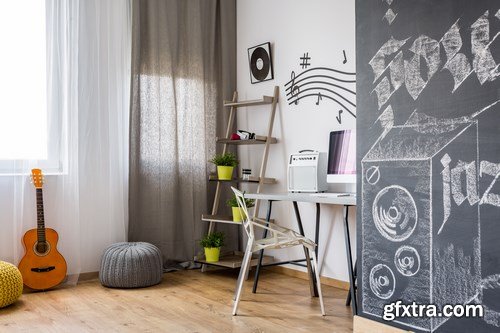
(131, 265)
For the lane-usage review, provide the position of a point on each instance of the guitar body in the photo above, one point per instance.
(42, 266)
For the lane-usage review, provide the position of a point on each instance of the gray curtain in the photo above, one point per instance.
(183, 66)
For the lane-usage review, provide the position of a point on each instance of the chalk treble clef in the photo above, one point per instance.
(295, 90)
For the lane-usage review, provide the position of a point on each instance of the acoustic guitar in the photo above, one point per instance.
(42, 266)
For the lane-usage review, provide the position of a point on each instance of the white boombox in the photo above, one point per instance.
(307, 171)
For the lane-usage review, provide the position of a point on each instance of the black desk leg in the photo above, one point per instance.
(348, 300)
(316, 236)
(261, 254)
(312, 277)
(349, 261)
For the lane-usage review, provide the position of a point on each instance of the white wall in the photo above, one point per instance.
(323, 28)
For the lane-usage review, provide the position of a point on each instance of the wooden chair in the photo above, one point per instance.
(279, 238)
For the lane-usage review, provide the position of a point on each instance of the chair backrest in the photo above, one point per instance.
(247, 223)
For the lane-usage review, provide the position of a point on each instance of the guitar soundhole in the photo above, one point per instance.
(41, 248)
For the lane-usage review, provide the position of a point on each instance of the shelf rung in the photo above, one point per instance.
(214, 178)
(234, 259)
(219, 219)
(263, 101)
(225, 219)
(258, 141)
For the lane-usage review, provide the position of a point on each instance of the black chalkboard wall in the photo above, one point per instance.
(428, 107)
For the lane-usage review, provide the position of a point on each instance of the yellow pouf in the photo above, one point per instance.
(11, 284)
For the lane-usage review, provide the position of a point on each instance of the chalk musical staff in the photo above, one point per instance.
(345, 58)
(323, 83)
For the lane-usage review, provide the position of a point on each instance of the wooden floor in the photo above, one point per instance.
(186, 301)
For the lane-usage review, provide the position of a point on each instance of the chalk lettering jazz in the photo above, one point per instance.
(452, 184)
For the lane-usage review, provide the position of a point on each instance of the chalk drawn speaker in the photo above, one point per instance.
(418, 243)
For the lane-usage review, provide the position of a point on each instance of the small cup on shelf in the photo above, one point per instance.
(246, 173)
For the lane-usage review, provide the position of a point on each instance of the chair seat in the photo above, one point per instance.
(295, 239)
(285, 238)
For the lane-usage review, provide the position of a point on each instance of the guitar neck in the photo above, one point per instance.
(40, 215)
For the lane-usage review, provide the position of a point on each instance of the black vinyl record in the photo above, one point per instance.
(260, 61)
(260, 64)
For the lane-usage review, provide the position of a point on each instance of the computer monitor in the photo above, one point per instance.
(342, 157)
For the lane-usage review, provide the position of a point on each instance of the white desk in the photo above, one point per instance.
(304, 197)
(345, 201)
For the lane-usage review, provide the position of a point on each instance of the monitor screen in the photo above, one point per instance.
(342, 157)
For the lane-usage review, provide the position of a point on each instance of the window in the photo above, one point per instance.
(23, 86)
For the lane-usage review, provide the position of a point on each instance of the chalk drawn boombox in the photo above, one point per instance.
(420, 233)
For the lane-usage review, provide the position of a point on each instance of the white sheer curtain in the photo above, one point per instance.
(88, 73)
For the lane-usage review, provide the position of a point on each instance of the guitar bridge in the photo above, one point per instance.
(43, 269)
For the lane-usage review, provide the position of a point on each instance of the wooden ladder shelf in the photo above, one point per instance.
(233, 259)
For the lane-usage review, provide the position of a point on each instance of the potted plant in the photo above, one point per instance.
(237, 213)
(225, 164)
(212, 244)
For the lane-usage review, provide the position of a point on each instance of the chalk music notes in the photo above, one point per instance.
(345, 58)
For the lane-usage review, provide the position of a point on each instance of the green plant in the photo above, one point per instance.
(234, 203)
(215, 239)
(227, 159)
